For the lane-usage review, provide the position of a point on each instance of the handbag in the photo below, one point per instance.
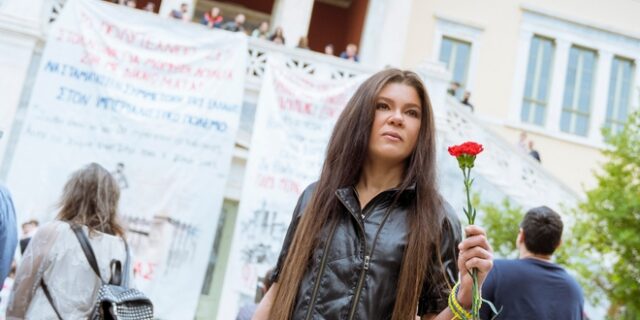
(115, 300)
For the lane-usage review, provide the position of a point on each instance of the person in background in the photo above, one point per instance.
(247, 311)
(350, 53)
(29, 229)
(130, 3)
(533, 152)
(533, 287)
(181, 14)
(277, 36)
(328, 49)
(212, 18)
(465, 100)
(8, 232)
(262, 31)
(54, 260)
(522, 143)
(237, 25)
(119, 175)
(150, 7)
(303, 43)
(453, 88)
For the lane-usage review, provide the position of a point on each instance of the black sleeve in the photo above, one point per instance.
(303, 200)
(442, 276)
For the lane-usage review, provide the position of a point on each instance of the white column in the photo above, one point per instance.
(385, 32)
(436, 79)
(558, 77)
(522, 60)
(14, 61)
(371, 31)
(294, 16)
(20, 30)
(601, 88)
(166, 6)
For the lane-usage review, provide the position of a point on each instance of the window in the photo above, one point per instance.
(576, 104)
(536, 90)
(455, 54)
(619, 93)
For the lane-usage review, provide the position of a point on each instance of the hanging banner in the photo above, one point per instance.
(155, 101)
(294, 119)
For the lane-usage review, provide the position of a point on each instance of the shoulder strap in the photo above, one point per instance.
(119, 276)
(48, 295)
(127, 265)
(86, 248)
(116, 273)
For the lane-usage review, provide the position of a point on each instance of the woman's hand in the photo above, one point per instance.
(475, 252)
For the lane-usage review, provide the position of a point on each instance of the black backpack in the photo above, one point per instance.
(115, 300)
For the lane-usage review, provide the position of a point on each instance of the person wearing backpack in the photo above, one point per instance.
(72, 263)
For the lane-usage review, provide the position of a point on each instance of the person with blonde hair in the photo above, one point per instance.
(54, 277)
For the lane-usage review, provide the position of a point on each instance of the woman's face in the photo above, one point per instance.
(264, 27)
(396, 124)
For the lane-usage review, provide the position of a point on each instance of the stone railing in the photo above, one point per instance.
(304, 61)
(50, 11)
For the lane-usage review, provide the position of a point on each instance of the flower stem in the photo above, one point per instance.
(467, 186)
(476, 297)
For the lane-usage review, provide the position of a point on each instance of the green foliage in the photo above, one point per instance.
(610, 221)
(502, 222)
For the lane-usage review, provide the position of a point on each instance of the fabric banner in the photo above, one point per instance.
(155, 101)
(294, 119)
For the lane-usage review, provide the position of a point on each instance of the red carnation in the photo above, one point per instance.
(466, 156)
(470, 148)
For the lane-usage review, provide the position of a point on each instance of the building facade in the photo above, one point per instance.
(557, 70)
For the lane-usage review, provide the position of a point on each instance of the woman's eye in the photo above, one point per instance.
(413, 113)
(382, 106)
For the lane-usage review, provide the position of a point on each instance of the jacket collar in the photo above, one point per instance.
(348, 197)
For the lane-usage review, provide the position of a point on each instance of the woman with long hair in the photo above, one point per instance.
(372, 238)
(277, 36)
(54, 259)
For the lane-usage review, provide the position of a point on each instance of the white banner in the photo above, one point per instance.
(155, 101)
(294, 119)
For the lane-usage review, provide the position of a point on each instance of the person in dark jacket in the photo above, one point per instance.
(533, 152)
(465, 100)
(372, 238)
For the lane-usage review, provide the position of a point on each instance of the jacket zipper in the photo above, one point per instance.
(365, 267)
(366, 261)
(323, 263)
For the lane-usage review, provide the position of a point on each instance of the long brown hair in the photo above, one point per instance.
(90, 198)
(346, 153)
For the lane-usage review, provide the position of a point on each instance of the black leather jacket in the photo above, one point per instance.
(354, 275)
